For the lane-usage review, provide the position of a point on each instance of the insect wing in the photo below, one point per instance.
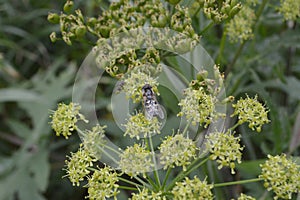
(160, 112)
(152, 108)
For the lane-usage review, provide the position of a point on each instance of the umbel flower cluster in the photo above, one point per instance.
(176, 151)
(166, 170)
(240, 28)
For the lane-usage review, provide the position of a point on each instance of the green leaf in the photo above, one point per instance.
(295, 140)
(28, 189)
(19, 95)
(19, 128)
(169, 99)
(291, 87)
(40, 167)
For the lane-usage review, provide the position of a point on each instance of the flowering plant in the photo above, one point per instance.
(172, 172)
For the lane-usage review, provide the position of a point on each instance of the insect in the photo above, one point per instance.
(151, 106)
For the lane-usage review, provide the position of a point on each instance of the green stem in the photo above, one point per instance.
(206, 28)
(237, 54)
(166, 177)
(261, 9)
(152, 182)
(233, 127)
(238, 182)
(112, 149)
(196, 12)
(183, 174)
(127, 188)
(186, 127)
(80, 132)
(154, 162)
(108, 155)
(141, 181)
(129, 182)
(196, 166)
(221, 48)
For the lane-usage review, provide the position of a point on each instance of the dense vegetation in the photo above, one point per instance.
(255, 44)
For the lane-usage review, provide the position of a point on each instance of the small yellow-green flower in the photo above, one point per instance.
(192, 189)
(197, 106)
(281, 175)
(78, 165)
(94, 140)
(225, 149)
(219, 11)
(290, 9)
(252, 111)
(245, 197)
(103, 184)
(138, 126)
(177, 151)
(64, 119)
(135, 81)
(136, 160)
(145, 194)
(240, 28)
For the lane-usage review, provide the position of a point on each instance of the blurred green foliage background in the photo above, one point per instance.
(36, 74)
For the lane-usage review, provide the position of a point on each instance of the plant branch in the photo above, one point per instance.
(237, 182)
(183, 174)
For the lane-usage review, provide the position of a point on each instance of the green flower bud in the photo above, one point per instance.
(235, 10)
(80, 31)
(114, 6)
(105, 31)
(226, 8)
(53, 18)
(201, 75)
(68, 6)
(92, 21)
(162, 20)
(233, 3)
(53, 37)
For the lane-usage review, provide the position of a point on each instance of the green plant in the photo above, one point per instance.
(119, 50)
